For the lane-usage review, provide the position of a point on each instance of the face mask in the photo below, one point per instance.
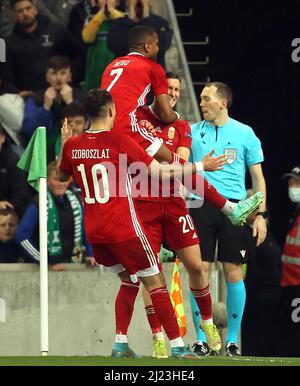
(294, 195)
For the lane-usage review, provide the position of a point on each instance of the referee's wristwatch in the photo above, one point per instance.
(263, 214)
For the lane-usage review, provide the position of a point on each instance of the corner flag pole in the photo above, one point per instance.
(44, 322)
(34, 161)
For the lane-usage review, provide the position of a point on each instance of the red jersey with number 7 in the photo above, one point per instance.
(93, 158)
(129, 80)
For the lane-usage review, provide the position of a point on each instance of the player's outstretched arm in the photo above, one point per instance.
(172, 171)
(209, 163)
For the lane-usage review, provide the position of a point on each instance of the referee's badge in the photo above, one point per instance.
(231, 155)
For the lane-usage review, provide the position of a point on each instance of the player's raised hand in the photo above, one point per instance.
(66, 131)
(211, 164)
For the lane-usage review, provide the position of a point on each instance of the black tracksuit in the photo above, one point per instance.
(28, 54)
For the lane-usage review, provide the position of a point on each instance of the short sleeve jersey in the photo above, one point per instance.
(129, 80)
(174, 135)
(99, 163)
(241, 146)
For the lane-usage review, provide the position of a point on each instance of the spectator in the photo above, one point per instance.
(13, 184)
(10, 252)
(66, 237)
(57, 11)
(76, 116)
(94, 34)
(139, 12)
(290, 279)
(262, 282)
(45, 107)
(6, 19)
(6, 87)
(11, 116)
(33, 41)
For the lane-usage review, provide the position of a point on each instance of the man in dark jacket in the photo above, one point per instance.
(14, 190)
(33, 41)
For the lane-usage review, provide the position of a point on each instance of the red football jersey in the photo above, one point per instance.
(129, 80)
(93, 158)
(174, 135)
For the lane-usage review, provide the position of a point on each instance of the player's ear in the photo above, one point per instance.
(147, 47)
(223, 103)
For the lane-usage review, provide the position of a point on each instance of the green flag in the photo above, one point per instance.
(33, 159)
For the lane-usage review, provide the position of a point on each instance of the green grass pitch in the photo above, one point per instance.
(108, 361)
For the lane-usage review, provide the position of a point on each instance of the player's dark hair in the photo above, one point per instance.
(173, 75)
(74, 109)
(139, 35)
(14, 2)
(58, 62)
(96, 102)
(223, 91)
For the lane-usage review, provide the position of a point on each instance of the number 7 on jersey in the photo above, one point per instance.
(117, 72)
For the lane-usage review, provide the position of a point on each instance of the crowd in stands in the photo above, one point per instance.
(56, 51)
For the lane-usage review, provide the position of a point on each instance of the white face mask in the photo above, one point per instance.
(294, 195)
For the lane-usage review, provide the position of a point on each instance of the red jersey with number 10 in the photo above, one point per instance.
(129, 80)
(93, 159)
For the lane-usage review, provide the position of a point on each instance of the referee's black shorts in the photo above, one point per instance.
(212, 226)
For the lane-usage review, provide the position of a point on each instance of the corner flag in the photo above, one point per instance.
(34, 160)
(34, 157)
(177, 299)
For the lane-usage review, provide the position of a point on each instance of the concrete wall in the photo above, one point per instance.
(81, 312)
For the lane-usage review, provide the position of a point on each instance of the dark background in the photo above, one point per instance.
(250, 50)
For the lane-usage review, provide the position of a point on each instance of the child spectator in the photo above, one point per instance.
(14, 190)
(66, 237)
(10, 252)
(76, 116)
(44, 108)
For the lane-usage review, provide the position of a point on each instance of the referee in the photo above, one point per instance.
(243, 150)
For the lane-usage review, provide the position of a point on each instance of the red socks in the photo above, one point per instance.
(164, 311)
(203, 299)
(153, 320)
(124, 306)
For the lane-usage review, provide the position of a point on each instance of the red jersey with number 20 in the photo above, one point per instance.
(129, 80)
(93, 159)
